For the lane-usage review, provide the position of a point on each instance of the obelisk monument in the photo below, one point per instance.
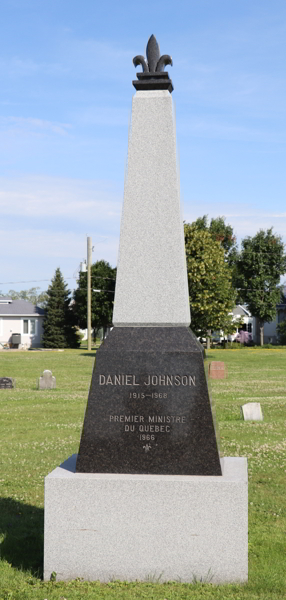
(148, 496)
(148, 409)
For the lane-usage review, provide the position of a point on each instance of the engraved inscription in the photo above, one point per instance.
(154, 395)
(126, 418)
(150, 425)
(151, 419)
(161, 380)
(147, 423)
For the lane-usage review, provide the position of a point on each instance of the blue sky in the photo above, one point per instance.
(66, 71)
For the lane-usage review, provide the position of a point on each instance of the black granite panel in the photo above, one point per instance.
(148, 409)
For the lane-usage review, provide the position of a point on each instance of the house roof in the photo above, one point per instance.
(19, 308)
(239, 309)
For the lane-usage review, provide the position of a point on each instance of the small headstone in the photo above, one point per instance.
(6, 383)
(47, 381)
(252, 411)
(217, 370)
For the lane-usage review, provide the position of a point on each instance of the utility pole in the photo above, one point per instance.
(89, 255)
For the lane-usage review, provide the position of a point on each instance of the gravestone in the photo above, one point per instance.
(147, 494)
(7, 383)
(252, 411)
(47, 381)
(217, 370)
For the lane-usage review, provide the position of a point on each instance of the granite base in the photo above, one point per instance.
(147, 527)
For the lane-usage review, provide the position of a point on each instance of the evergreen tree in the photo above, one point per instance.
(59, 323)
(103, 282)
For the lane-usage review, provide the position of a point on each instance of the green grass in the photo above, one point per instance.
(40, 429)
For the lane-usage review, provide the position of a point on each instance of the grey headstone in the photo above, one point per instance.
(47, 381)
(6, 383)
(252, 411)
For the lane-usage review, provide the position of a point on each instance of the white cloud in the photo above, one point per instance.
(83, 54)
(110, 116)
(214, 128)
(29, 124)
(57, 197)
(74, 57)
(18, 67)
(44, 225)
(49, 245)
(31, 256)
(245, 222)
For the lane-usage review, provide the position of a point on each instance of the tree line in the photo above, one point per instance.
(219, 277)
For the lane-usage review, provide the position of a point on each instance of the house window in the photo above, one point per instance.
(249, 327)
(29, 326)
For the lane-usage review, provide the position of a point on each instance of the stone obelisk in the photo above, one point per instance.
(146, 497)
(151, 285)
(148, 409)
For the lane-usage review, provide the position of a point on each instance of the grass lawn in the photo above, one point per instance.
(40, 429)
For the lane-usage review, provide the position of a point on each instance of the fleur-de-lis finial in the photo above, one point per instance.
(153, 75)
(152, 53)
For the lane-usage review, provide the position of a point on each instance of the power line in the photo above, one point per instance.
(41, 280)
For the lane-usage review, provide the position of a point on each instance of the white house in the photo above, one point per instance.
(249, 327)
(23, 318)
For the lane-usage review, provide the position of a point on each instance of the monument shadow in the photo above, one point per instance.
(22, 526)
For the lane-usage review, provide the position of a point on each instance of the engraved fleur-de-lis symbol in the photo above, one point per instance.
(154, 63)
(147, 447)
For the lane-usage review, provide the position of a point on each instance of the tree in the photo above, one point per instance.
(103, 279)
(212, 296)
(32, 295)
(260, 265)
(222, 233)
(59, 323)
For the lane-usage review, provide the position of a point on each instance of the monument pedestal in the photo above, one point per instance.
(101, 526)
